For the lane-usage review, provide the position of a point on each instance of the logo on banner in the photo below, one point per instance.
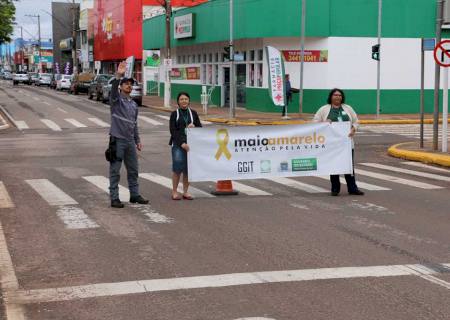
(265, 166)
(308, 164)
(222, 138)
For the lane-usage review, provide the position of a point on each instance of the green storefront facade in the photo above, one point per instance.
(346, 29)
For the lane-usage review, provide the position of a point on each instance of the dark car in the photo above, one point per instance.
(96, 87)
(81, 83)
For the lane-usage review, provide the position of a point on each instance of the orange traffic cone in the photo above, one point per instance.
(224, 188)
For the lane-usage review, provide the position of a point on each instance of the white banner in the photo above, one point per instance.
(277, 86)
(235, 153)
(129, 67)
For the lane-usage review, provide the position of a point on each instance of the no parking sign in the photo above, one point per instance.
(442, 53)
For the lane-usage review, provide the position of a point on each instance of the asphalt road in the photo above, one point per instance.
(275, 252)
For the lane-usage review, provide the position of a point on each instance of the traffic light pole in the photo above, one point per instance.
(437, 74)
(232, 76)
(380, 7)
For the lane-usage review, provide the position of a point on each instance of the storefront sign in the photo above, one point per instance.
(235, 153)
(188, 73)
(277, 86)
(153, 58)
(184, 26)
(310, 55)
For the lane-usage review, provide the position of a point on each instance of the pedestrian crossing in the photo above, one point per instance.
(68, 206)
(406, 130)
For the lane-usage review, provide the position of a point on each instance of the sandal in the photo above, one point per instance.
(187, 197)
(177, 197)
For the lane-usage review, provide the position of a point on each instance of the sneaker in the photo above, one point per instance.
(357, 193)
(117, 204)
(138, 199)
(334, 194)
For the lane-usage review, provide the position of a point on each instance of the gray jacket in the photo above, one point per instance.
(124, 114)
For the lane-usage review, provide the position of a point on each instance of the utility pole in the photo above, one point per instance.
(22, 62)
(74, 39)
(167, 84)
(302, 54)
(380, 10)
(39, 39)
(437, 74)
(232, 73)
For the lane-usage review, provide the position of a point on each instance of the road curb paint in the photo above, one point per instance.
(420, 156)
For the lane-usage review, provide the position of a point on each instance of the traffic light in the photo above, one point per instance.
(376, 52)
(226, 54)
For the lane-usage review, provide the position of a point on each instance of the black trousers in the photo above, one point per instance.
(349, 178)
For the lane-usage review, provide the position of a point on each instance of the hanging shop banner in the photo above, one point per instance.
(310, 55)
(184, 26)
(277, 87)
(188, 73)
(235, 153)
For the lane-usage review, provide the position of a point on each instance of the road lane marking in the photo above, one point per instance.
(163, 117)
(36, 98)
(76, 123)
(8, 281)
(407, 171)
(362, 185)
(62, 110)
(248, 190)
(5, 199)
(166, 182)
(51, 125)
(103, 183)
(216, 281)
(423, 165)
(99, 122)
(47, 103)
(75, 218)
(298, 185)
(407, 182)
(151, 121)
(50, 192)
(151, 214)
(21, 125)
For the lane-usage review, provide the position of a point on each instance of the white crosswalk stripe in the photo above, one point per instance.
(426, 166)
(166, 182)
(21, 125)
(407, 171)
(51, 124)
(73, 217)
(51, 193)
(298, 185)
(389, 178)
(149, 120)
(360, 184)
(163, 117)
(103, 183)
(248, 190)
(406, 130)
(99, 122)
(5, 199)
(76, 123)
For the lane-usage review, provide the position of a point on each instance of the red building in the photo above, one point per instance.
(118, 31)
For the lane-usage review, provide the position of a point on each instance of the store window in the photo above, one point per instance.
(259, 75)
(252, 55)
(260, 55)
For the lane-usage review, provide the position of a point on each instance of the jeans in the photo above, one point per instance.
(349, 178)
(126, 152)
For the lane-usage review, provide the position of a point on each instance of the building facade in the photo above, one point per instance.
(340, 35)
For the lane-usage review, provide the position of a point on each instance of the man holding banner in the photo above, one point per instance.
(337, 111)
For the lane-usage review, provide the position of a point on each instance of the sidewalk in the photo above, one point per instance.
(409, 151)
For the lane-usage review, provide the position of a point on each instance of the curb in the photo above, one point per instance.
(256, 122)
(420, 156)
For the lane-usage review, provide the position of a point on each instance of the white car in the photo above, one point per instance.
(45, 79)
(21, 77)
(64, 83)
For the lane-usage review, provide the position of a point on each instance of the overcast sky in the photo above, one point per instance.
(30, 26)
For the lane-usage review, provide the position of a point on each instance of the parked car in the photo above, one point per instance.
(55, 80)
(21, 77)
(136, 92)
(34, 77)
(45, 79)
(64, 83)
(7, 75)
(96, 87)
(81, 82)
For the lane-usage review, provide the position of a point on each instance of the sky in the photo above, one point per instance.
(30, 25)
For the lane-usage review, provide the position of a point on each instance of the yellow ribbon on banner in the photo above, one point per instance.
(222, 138)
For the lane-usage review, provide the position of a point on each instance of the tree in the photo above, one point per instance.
(7, 17)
